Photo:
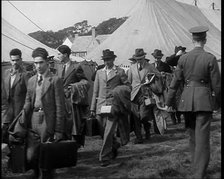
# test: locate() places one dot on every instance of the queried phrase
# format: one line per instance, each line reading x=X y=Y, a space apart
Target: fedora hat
x=139 y=53
x=157 y=53
x=108 y=54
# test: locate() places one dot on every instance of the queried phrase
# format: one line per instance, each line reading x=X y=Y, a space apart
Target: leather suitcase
x=92 y=127
x=17 y=161
x=58 y=154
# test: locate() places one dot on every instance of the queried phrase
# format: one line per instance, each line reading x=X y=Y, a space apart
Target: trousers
x=198 y=124
x=108 y=127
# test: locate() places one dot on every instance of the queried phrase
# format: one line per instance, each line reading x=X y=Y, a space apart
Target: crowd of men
x=55 y=105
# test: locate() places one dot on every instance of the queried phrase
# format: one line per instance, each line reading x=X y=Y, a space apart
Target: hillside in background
x=54 y=39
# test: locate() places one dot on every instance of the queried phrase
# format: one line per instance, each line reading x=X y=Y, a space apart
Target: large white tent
x=206 y=7
x=14 y=38
x=158 y=24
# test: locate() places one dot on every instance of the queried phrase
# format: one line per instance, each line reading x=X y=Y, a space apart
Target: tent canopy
x=14 y=38
x=158 y=24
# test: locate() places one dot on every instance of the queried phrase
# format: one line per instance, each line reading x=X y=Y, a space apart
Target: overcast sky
x=56 y=15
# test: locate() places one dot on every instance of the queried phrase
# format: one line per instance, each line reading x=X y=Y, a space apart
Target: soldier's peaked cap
x=199 y=32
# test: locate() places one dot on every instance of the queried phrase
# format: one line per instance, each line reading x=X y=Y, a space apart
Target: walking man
x=14 y=85
x=44 y=107
x=72 y=73
x=106 y=80
x=199 y=72
x=136 y=76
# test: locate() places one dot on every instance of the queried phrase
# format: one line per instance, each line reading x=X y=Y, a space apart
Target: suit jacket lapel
x=7 y=84
x=69 y=70
x=46 y=83
x=103 y=75
x=33 y=87
x=18 y=77
x=112 y=74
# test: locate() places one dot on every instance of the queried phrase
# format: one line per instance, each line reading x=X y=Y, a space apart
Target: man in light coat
x=199 y=72
x=137 y=76
x=106 y=80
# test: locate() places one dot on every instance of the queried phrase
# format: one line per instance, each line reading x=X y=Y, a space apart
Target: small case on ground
x=58 y=154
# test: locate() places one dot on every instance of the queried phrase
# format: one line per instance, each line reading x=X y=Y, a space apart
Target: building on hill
x=82 y=45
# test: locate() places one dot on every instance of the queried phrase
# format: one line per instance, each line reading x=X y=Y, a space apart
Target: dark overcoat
x=199 y=72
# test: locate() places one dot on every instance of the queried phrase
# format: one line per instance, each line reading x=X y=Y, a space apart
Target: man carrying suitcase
x=44 y=108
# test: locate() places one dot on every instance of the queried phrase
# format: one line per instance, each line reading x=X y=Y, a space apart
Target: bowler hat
x=139 y=53
x=157 y=53
x=108 y=54
x=199 y=32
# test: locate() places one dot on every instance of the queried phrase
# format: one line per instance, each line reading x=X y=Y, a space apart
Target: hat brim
x=108 y=57
x=157 y=55
x=137 y=58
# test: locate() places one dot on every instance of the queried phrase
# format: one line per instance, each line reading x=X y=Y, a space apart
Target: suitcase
x=92 y=127
x=58 y=154
x=17 y=161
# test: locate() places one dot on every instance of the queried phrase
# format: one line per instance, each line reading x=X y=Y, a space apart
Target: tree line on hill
x=55 y=39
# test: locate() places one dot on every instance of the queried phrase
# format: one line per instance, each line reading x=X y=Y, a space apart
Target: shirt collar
x=44 y=74
x=113 y=68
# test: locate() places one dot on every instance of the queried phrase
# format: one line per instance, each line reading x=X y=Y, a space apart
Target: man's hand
x=58 y=136
x=180 y=52
x=92 y=113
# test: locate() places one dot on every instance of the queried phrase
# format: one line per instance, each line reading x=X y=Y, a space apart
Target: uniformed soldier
x=199 y=71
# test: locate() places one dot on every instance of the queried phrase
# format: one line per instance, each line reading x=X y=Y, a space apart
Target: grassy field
x=164 y=156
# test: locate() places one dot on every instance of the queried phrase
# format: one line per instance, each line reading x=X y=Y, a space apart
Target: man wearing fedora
x=106 y=80
x=199 y=72
x=159 y=64
x=136 y=76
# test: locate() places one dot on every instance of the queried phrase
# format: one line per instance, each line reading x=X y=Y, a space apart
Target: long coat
x=137 y=78
x=103 y=86
x=74 y=113
x=52 y=98
x=199 y=71
x=15 y=95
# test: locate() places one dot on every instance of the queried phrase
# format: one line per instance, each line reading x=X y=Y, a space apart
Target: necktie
x=40 y=80
x=63 y=71
x=140 y=67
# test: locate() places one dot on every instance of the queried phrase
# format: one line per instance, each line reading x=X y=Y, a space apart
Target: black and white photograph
x=111 y=89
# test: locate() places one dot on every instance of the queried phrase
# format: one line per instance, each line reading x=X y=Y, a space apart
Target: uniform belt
x=37 y=109
x=200 y=83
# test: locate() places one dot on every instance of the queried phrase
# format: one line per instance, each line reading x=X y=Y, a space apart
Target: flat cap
x=199 y=32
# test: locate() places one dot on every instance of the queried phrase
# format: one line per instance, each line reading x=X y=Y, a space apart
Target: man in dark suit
x=107 y=79
x=72 y=73
x=15 y=87
x=44 y=106
x=159 y=64
x=200 y=73
x=136 y=76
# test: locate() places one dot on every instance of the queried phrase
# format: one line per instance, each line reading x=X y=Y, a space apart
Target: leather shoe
x=105 y=163
x=138 y=141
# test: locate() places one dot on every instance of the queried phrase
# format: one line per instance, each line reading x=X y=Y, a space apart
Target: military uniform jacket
x=200 y=73
x=103 y=86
